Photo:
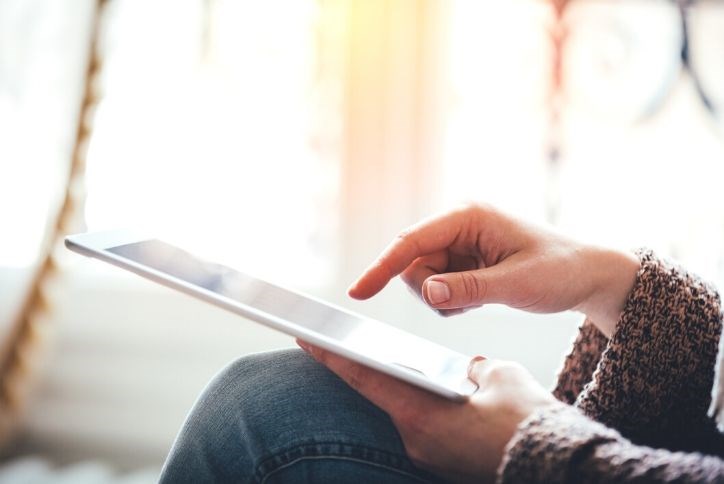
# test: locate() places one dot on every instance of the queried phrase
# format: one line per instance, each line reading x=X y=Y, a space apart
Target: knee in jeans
x=250 y=386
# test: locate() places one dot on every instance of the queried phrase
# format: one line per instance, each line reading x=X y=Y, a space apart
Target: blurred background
x=293 y=139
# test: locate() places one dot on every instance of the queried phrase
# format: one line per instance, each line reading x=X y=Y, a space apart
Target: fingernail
x=437 y=292
x=475 y=360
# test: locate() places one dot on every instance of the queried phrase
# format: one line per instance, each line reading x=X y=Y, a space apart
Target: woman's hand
x=462 y=442
x=478 y=255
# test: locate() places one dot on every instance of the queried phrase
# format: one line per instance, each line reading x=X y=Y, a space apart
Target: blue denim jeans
x=282 y=417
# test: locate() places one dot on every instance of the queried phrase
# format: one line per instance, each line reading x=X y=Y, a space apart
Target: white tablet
x=372 y=343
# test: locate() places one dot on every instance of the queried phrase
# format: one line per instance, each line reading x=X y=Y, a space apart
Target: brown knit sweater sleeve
x=580 y=363
x=639 y=399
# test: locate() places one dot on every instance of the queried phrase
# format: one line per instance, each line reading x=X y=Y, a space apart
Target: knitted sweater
x=633 y=408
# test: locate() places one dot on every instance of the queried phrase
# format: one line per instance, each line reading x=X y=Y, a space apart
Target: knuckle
x=408 y=277
x=496 y=374
x=413 y=421
x=403 y=234
x=406 y=239
x=403 y=238
x=501 y=371
x=464 y=211
x=407 y=419
x=475 y=207
x=415 y=452
x=475 y=288
x=415 y=446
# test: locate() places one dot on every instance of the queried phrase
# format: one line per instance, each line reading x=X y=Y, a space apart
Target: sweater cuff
x=580 y=363
x=548 y=445
x=658 y=369
x=666 y=293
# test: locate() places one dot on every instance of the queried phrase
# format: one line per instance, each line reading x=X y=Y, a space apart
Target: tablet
x=372 y=343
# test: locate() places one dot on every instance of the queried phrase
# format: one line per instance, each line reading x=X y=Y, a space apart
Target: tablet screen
x=240 y=287
x=382 y=341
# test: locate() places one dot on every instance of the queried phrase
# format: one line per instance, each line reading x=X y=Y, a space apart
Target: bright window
x=216 y=129
x=641 y=159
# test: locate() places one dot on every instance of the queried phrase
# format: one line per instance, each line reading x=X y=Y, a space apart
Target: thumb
x=477 y=368
x=459 y=290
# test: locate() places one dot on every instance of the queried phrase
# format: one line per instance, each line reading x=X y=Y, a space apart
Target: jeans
x=282 y=417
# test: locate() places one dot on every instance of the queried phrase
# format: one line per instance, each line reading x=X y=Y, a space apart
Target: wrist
x=613 y=275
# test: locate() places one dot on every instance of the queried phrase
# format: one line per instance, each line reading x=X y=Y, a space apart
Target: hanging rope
x=26 y=331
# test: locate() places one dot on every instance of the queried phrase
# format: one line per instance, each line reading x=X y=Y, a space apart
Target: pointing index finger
x=419 y=240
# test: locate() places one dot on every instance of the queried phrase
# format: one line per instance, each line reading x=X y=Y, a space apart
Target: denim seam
x=263 y=475
x=341 y=458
